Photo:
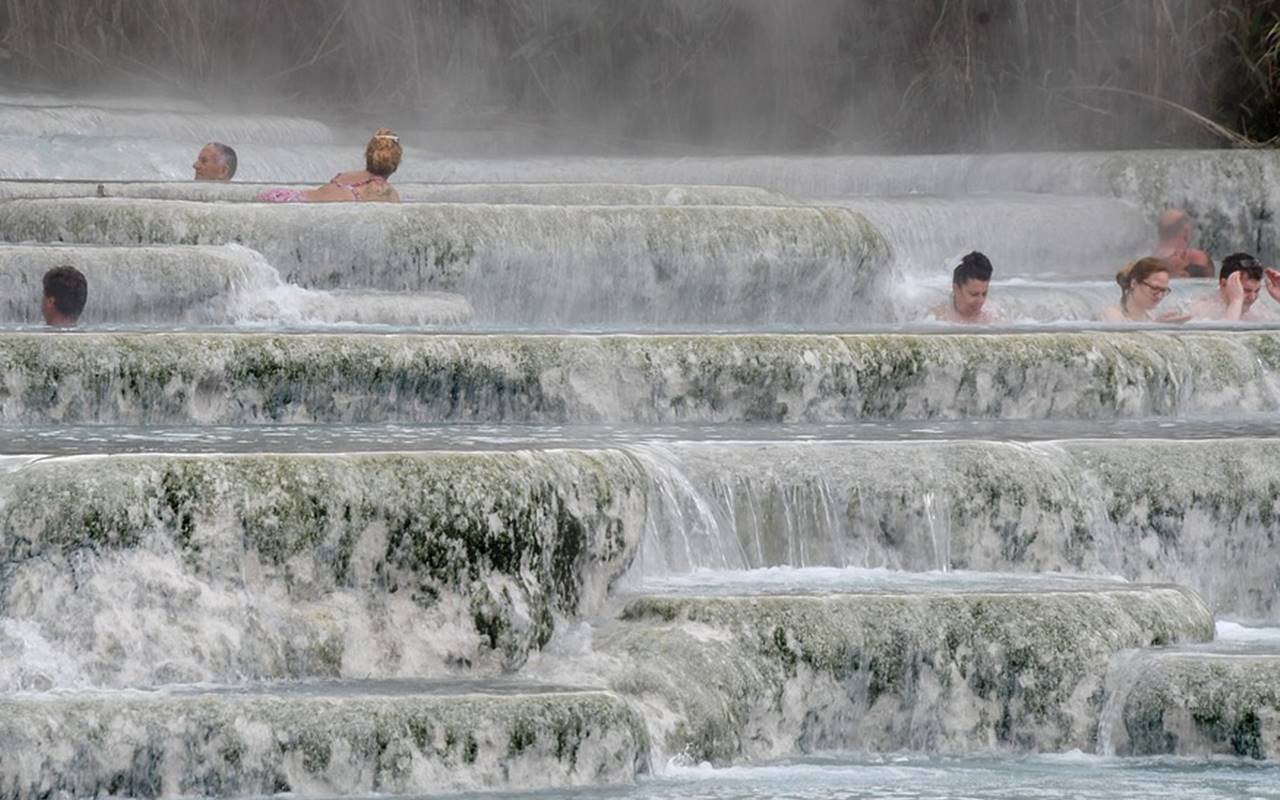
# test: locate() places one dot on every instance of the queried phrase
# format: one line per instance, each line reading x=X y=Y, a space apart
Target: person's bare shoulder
x=1112 y=314
x=380 y=192
x=940 y=312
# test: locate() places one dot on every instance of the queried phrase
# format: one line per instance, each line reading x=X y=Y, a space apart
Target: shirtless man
x=970 y=283
x=1239 y=284
x=1175 y=228
x=215 y=162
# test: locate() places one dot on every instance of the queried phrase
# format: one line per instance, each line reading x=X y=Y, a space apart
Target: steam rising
x=850 y=75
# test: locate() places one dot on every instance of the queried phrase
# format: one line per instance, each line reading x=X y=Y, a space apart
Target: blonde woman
x=381 y=159
x=1143 y=285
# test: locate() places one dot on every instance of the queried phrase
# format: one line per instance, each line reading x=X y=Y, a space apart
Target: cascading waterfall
x=628 y=265
x=1075 y=237
x=201 y=285
x=590 y=479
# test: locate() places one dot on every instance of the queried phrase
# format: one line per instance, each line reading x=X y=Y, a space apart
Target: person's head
x=216 y=162
x=65 y=293
x=382 y=154
x=1250 y=275
x=1175 y=228
x=1143 y=284
x=970 y=282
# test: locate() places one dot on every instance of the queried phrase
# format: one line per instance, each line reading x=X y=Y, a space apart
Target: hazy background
x=618 y=75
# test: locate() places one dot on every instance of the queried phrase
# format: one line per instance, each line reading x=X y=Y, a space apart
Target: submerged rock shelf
x=142 y=571
x=1199 y=704
x=248 y=378
x=522 y=263
x=237 y=744
x=938 y=672
x=560 y=194
x=1138 y=509
x=1202 y=513
x=202 y=285
x=1153 y=179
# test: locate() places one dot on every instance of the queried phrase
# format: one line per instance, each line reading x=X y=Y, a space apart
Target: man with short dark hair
x=1239 y=285
x=970 y=284
x=215 y=162
x=65 y=293
x=1176 y=229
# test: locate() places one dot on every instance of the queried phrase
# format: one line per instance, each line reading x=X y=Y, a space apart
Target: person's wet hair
x=382 y=154
x=228 y=158
x=1240 y=262
x=973 y=267
x=1139 y=271
x=69 y=290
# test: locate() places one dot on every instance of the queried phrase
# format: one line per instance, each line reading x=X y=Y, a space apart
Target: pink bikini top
x=295 y=196
x=280 y=196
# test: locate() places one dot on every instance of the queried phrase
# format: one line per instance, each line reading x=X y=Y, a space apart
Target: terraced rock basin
x=355 y=738
x=251 y=378
x=182 y=285
x=561 y=194
x=924 y=666
x=1214 y=700
x=520 y=264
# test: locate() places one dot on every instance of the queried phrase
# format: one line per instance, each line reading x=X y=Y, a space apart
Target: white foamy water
x=255 y=605
x=859 y=580
x=1037 y=235
x=1235 y=633
x=1066 y=777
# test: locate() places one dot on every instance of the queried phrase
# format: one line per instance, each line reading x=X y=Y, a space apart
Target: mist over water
x=575 y=75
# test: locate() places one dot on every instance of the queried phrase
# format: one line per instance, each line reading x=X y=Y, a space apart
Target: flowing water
x=617 y=477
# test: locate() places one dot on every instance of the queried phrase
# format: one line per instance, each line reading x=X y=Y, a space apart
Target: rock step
x=559 y=194
x=1203 y=702
x=353 y=739
x=191 y=126
x=137 y=571
x=524 y=264
x=202 y=285
x=970 y=671
x=1200 y=512
x=250 y=378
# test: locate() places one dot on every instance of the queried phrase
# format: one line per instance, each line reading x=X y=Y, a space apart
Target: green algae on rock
x=302 y=566
x=1019 y=671
x=1203 y=513
x=1201 y=703
x=365 y=740
x=685 y=264
x=248 y=378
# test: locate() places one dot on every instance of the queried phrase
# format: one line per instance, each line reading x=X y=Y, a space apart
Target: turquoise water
x=86 y=439
x=1071 y=776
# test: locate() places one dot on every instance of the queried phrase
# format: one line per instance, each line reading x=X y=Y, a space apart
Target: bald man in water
x=215 y=162
x=1175 y=228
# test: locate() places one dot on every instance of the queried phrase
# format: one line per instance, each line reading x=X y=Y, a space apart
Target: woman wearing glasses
x=1143 y=284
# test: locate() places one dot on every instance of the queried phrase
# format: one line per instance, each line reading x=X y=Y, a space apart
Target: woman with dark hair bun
x=381 y=159
x=1143 y=284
